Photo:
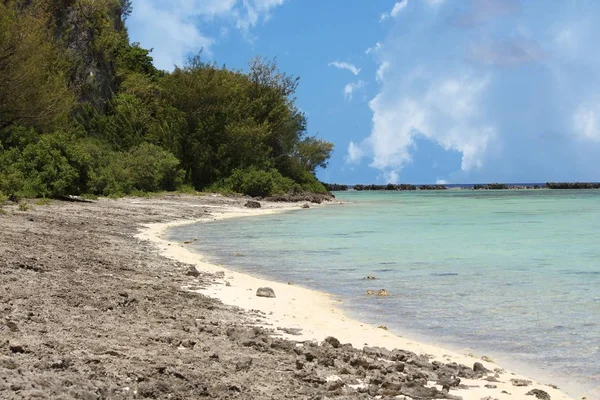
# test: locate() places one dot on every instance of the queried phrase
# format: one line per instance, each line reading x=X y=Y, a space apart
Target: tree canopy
x=83 y=110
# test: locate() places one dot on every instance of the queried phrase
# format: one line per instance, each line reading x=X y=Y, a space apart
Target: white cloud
x=399 y=6
x=352 y=87
x=172 y=28
x=374 y=48
x=381 y=70
x=585 y=122
x=446 y=113
x=355 y=153
x=391 y=176
x=347 y=66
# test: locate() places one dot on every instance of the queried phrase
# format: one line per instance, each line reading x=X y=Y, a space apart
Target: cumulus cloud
x=173 y=28
x=344 y=65
x=355 y=153
x=462 y=91
x=374 y=48
x=586 y=122
x=352 y=87
x=507 y=53
x=398 y=6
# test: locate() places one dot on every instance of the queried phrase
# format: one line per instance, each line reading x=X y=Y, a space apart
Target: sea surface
x=514 y=275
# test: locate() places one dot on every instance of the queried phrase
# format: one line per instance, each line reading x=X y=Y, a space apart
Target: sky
x=414 y=91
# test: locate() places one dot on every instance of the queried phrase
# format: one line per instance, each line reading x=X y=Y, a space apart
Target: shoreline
x=314 y=315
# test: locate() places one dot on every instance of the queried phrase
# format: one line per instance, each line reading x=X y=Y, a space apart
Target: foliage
x=254 y=182
x=23 y=206
x=84 y=111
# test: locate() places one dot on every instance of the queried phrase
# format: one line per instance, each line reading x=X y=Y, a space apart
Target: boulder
x=192 y=271
x=478 y=367
x=332 y=341
x=383 y=293
x=540 y=394
x=252 y=204
x=265 y=292
x=305 y=205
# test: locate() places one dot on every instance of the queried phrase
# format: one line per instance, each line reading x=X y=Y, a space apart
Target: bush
x=153 y=169
x=53 y=166
x=254 y=182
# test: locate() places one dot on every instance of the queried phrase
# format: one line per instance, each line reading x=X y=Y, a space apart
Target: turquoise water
x=511 y=274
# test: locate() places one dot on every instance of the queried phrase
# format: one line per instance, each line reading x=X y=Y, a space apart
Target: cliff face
x=91 y=32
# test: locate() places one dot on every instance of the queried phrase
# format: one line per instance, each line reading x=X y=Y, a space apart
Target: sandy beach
x=98 y=305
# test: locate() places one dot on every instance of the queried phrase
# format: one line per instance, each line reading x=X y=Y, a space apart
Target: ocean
x=514 y=275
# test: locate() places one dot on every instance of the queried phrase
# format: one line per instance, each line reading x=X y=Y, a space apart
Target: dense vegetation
x=84 y=111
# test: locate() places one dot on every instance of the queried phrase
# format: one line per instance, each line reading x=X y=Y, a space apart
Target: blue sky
x=415 y=91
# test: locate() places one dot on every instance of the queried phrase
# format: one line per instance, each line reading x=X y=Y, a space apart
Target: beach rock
x=520 y=382
x=265 y=292
x=193 y=271
x=305 y=205
x=16 y=348
x=478 y=367
x=370 y=292
x=332 y=341
x=488 y=386
x=370 y=278
x=243 y=363
x=540 y=394
x=252 y=204
x=383 y=293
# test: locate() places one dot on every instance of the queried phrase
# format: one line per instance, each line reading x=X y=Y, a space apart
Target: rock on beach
x=265 y=292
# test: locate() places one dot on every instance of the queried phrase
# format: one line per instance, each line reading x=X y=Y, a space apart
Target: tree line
x=84 y=111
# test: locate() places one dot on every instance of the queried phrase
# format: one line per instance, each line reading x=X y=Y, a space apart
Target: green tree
x=33 y=85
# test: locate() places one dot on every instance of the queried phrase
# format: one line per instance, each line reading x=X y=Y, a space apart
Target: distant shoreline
x=334 y=187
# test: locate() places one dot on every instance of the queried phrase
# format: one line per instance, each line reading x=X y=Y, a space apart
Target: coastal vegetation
x=84 y=111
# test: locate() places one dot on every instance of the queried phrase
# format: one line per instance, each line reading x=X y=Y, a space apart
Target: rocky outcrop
x=316 y=198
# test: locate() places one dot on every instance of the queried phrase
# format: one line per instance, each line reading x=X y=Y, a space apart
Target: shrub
x=153 y=168
x=254 y=182
x=53 y=166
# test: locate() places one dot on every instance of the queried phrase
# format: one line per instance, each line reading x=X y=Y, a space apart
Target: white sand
x=317 y=314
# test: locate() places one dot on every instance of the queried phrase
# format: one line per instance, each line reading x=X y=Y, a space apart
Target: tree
x=313 y=153
x=33 y=86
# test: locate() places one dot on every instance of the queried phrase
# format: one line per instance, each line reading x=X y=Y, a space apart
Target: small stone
x=385 y=328
x=227 y=283
x=265 y=292
x=16 y=348
x=193 y=271
x=370 y=278
x=540 y=394
x=491 y=386
x=243 y=363
x=487 y=359
x=383 y=293
x=370 y=292
x=252 y=204
x=478 y=367
x=332 y=341
x=305 y=205
x=520 y=382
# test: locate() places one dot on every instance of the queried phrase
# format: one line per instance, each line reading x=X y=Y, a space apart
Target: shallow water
x=511 y=274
